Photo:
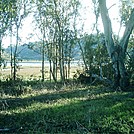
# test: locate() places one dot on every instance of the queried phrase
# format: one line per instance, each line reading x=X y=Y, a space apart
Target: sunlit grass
x=33 y=72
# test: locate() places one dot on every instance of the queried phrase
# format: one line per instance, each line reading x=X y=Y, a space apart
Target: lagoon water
x=39 y=63
x=27 y=63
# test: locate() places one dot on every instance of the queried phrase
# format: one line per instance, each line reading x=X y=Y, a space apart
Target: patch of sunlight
x=117 y=105
x=5 y=96
x=65 y=101
x=40 y=106
x=35 y=93
x=98 y=96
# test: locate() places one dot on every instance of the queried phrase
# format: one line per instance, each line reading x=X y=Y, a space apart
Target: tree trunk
x=117 y=52
x=0 y=53
x=121 y=78
x=43 y=62
x=43 y=56
x=15 y=54
x=83 y=57
x=11 y=54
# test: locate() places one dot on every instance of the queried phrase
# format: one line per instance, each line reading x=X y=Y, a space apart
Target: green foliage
x=130 y=58
x=130 y=65
x=125 y=10
x=7 y=11
x=14 y=88
x=96 y=55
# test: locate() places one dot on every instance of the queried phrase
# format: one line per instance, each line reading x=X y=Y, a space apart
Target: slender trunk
x=43 y=57
x=11 y=55
x=54 y=61
x=11 y=49
x=69 y=69
x=15 y=55
x=50 y=62
x=63 y=57
x=54 y=69
x=43 y=76
x=61 y=60
x=83 y=57
x=100 y=68
x=51 y=72
x=50 y=69
x=66 y=69
x=56 y=73
x=0 y=53
x=69 y=61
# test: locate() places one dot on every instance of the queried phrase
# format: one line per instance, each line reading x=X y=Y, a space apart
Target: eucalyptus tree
x=67 y=14
x=45 y=24
x=5 y=16
x=57 y=27
x=20 y=14
x=40 y=18
x=64 y=11
x=117 y=50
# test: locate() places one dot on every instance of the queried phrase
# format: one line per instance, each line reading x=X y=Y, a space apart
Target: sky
x=113 y=13
x=88 y=20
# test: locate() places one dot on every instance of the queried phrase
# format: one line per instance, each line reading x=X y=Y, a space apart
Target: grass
x=73 y=108
x=33 y=72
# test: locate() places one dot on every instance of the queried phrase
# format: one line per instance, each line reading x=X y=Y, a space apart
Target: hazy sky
x=113 y=13
x=87 y=14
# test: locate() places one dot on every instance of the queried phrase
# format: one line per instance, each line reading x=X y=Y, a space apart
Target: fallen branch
x=102 y=79
x=6 y=130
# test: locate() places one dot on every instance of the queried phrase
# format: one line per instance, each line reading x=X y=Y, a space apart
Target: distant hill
x=26 y=52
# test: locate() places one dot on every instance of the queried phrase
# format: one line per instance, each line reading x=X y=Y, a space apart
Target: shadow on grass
x=100 y=112
x=43 y=98
x=13 y=103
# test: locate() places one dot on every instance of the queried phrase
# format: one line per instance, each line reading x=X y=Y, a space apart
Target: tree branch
x=111 y=6
x=127 y=32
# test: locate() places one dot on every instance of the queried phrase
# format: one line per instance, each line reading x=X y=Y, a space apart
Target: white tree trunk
x=117 y=52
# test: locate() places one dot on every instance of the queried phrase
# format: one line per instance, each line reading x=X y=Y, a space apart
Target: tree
x=117 y=51
x=59 y=35
x=5 y=17
x=20 y=14
x=42 y=21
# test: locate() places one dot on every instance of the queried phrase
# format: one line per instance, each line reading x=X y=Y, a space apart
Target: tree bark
x=117 y=52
